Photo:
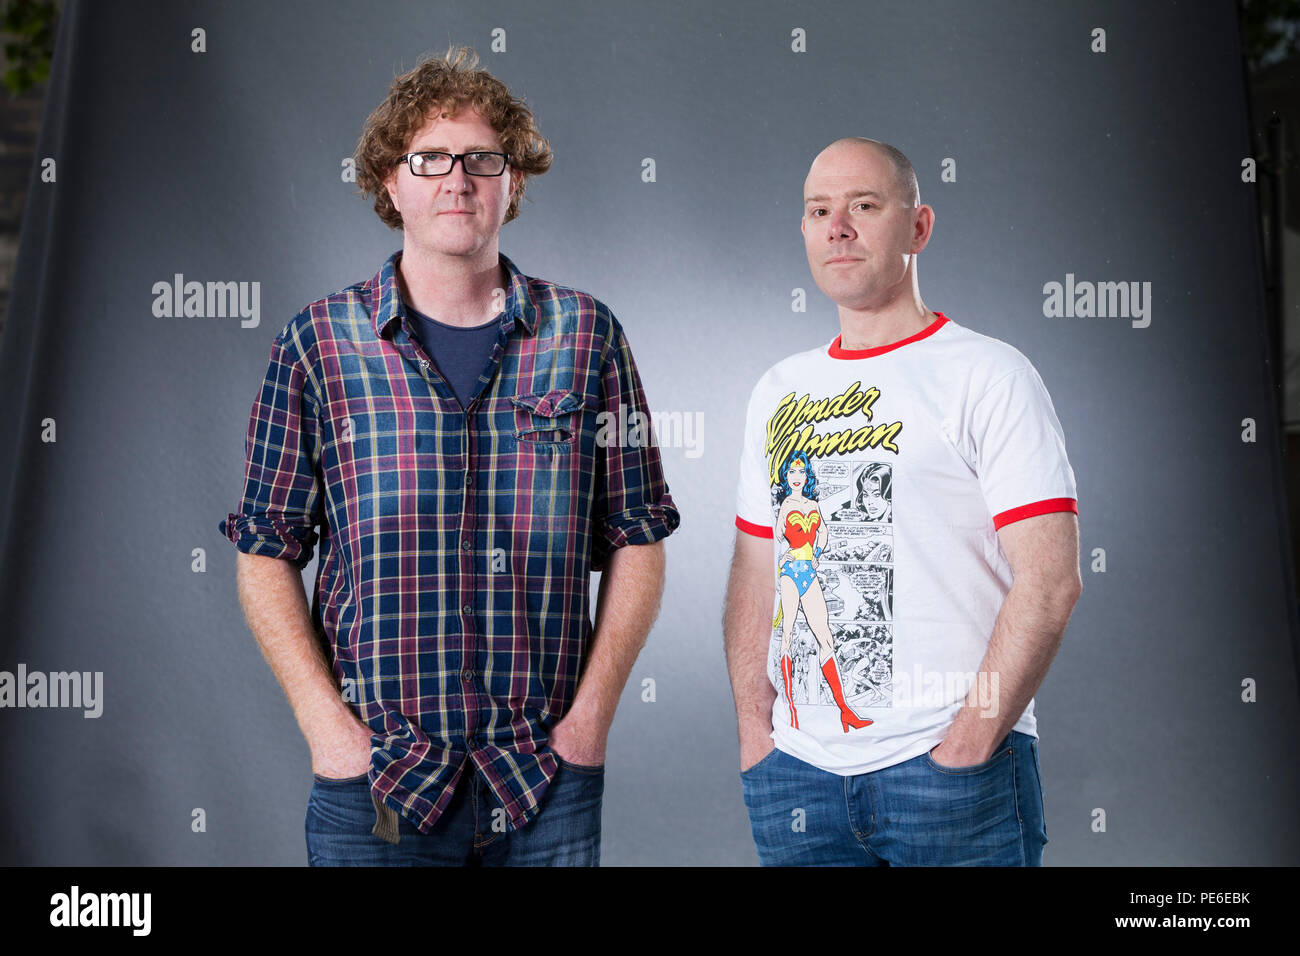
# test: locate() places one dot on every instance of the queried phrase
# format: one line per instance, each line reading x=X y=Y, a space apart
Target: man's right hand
x=344 y=754
x=747 y=631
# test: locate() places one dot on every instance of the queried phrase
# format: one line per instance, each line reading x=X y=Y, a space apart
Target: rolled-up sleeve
x=633 y=505
x=281 y=507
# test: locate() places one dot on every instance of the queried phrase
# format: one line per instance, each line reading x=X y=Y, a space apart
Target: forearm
x=275 y=606
x=747 y=629
x=1026 y=637
x=631 y=588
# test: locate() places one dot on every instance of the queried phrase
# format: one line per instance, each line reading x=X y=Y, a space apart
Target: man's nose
x=457 y=177
x=838 y=227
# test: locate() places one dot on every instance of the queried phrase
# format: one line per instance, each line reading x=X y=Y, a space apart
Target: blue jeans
x=915 y=813
x=565 y=832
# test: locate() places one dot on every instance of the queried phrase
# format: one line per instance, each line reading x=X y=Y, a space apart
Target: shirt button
x=465 y=545
x=469 y=479
x=468 y=609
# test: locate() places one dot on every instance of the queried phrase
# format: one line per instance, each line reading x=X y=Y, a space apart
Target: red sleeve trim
x=1044 y=507
x=757 y=530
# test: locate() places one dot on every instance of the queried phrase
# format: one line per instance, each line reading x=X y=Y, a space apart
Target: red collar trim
x=836 y=352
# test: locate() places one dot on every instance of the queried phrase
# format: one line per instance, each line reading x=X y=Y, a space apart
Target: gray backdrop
x=225 y=166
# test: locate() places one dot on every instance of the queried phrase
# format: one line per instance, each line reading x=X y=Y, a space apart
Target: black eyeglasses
x=431 y=163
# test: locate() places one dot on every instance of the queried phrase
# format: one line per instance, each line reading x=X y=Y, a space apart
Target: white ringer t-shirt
x=916 y=453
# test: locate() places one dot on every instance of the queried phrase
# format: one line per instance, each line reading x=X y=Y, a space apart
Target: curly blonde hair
x=447 y=83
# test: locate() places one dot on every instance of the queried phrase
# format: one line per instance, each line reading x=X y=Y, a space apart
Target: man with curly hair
x=444 y=424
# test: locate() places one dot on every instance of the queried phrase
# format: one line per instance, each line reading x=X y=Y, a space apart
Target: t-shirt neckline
x=495 y=320
x=840 y=353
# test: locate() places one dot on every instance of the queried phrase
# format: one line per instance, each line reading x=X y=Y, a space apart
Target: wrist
x=755 y=728
x=965 y=745
x=335 y=723
x=591 y=712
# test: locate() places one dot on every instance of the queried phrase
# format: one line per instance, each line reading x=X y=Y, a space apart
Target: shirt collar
x=388 y=307
x=839 y=352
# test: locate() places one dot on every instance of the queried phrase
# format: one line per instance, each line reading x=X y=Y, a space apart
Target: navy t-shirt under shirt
x=459 y=353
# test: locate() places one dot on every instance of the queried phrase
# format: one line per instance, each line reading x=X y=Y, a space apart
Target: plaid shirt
x=456 y=544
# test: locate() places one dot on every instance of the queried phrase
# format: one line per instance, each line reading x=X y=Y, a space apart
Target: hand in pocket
x=345 y=756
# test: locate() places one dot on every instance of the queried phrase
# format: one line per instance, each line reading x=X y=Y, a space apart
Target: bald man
x=906 y=559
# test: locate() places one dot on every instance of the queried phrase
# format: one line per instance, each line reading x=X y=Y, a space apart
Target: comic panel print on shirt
x=832 y=494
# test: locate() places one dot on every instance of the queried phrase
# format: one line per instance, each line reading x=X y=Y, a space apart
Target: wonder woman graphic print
x=881 y=477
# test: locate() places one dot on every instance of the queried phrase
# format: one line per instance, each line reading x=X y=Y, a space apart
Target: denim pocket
x=767 y=758
x=340 y=781
x=1002 y=751
x=589 y=769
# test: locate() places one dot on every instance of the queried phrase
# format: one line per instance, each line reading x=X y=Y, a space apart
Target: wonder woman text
x=791 y=427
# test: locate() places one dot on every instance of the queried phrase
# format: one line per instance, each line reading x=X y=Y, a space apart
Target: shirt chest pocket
x=553 y=418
